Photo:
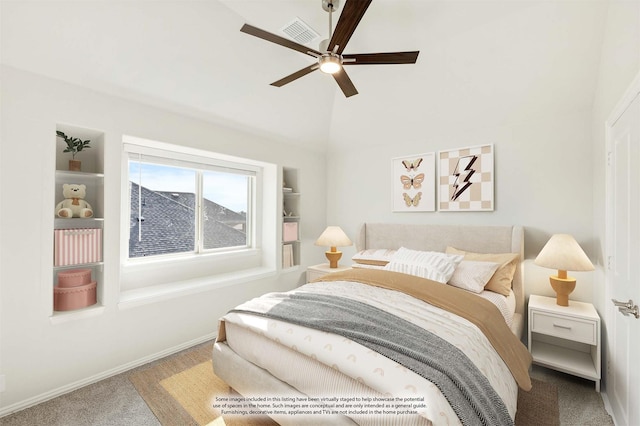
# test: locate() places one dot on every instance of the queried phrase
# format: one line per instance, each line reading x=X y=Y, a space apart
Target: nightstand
x=565 y=338
x=316 y=271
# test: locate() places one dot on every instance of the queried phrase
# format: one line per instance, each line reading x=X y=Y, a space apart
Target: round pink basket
x=74 y=277
x=70 y=298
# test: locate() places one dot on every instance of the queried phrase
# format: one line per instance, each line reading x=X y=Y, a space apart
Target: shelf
x=79 y=266
x=556 y=357
x=59 y=317
x=73 y=175
x=78 y=223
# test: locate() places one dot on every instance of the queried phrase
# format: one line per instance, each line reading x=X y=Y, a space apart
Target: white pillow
x=432 y=265
x=473 y=275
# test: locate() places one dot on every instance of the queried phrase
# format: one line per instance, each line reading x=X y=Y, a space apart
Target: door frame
x=630 y=94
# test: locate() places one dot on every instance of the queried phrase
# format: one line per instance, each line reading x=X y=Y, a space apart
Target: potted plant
x=74 y=146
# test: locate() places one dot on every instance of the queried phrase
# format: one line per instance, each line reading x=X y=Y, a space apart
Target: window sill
x=152 y=294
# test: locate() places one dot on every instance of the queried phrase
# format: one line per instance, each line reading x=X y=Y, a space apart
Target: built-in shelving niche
x=92 y=176
x=290 y=217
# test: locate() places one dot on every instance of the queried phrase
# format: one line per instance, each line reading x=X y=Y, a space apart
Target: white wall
x=468 y=89
x=40 y=359
x=543 y=181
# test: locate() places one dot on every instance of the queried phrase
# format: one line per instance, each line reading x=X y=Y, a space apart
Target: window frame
x=199 y=170
x=155 y=276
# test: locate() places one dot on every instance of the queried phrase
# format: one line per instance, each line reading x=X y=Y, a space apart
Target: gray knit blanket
x=467 y=390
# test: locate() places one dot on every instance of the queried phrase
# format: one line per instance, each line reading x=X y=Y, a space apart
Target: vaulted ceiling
x=189 y=56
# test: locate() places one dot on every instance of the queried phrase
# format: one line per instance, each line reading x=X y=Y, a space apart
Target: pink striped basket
x=77 y=246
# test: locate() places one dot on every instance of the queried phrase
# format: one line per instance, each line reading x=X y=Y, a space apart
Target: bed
x=316 y=342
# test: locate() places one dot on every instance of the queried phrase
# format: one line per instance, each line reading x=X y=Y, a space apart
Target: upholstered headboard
x=480 y=239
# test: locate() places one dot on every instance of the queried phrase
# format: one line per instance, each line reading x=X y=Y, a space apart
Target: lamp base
x=333 y=257
x=563 y=287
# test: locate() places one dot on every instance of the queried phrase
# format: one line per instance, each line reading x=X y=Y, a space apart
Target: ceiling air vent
x=299 y=31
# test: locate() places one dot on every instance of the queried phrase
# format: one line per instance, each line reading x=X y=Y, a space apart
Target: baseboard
x=39 y=399
x=607 y=406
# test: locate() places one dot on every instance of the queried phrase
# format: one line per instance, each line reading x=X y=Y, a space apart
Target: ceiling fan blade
x=296 y=75
x=273 y=38
x=382 y=58
x=352 y=13
x=345 y=83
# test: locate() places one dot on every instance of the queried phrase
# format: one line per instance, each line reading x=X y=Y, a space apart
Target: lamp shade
x=562 y=252
x=333 y=236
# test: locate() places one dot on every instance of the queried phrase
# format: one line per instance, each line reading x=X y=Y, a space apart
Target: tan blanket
x=478 y=311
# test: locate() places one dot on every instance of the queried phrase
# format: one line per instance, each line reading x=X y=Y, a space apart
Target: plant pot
x=74 y=165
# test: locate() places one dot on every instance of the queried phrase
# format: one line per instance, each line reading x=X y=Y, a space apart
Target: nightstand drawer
x=564 y=327
x=314 y=275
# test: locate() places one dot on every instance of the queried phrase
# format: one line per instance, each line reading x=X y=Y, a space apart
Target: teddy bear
x=74 y=204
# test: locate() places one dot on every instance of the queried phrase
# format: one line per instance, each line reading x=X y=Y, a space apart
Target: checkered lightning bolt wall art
x=465 y=180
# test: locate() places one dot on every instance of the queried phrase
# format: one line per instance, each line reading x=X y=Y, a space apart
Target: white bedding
x=506 y=304
x=285 y=350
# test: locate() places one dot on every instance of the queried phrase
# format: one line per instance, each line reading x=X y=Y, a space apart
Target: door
x=623 y=272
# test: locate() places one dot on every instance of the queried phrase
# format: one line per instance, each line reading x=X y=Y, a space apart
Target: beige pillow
x=501 y=280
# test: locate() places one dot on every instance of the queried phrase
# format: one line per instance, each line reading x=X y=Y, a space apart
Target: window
x=194 y=220
x=188 y=205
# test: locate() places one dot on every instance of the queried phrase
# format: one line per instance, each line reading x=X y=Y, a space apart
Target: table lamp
x=563 y=253
x=333 y=237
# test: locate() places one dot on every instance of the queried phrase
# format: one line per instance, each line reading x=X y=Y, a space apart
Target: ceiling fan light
x=330 y=64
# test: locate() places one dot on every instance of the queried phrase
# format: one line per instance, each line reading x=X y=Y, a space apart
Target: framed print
x=465 y=179
x=413 y=183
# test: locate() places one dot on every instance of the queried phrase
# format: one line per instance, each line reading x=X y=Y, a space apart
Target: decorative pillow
x=378 y=257
x=426 y=264
x=473 y=275
x=501 y=280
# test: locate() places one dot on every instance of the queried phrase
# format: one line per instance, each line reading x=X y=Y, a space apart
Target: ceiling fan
x=330 y=58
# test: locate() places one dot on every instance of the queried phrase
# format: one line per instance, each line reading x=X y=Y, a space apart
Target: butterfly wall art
x=413 y=183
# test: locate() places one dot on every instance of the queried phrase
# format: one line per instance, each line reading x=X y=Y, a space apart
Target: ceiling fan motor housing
x=324 y=45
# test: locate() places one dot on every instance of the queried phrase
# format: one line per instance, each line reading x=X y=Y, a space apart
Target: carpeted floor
x=578 y=402
x=119 y=399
